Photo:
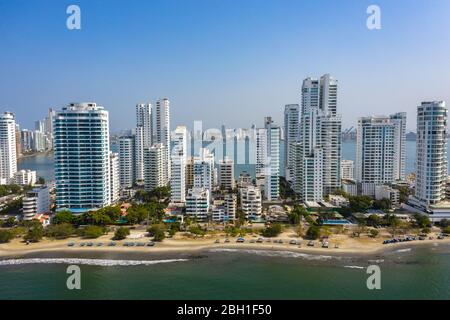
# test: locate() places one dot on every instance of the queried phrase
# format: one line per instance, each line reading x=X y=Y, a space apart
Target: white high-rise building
x=178 y=163
x=431 y=152
x=8 y=155
x=203 y=170
x=127 y=162
x=115 y=177
x=82 y=170
x=291 y=136
x=143 y=137
x=230 y=203
x=155 y=172
x=197 y=203
x=226 y=174
x=318 y=156
x=163 y=127
x=261 y=151
x=347 y=170
x=272 y=175
x=380 y=151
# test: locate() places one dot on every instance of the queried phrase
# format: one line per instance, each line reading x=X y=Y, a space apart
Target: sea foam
x=91 y=262
x=279 y=253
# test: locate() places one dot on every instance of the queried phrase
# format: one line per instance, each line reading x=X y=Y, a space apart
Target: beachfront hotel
x=380 y=151
x=8 y=156
x=82 y=164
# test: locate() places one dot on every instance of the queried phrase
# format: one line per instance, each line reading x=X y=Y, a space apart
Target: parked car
x=240 y=239
x=70 y=244
x=311 y=244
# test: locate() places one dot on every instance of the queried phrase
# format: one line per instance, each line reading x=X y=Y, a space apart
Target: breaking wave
x=91 y=262
x=283 y=254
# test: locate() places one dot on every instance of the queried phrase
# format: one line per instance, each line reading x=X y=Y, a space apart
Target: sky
x=229 y=62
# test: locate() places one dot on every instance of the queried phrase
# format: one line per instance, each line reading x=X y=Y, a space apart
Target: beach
x=338 y=244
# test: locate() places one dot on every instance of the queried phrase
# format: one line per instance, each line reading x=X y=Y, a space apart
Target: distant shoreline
x=25 y=156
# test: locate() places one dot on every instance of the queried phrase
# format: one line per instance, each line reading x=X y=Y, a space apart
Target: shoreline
x=58 y=248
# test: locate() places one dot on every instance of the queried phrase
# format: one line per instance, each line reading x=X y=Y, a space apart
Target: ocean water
x=410 y=273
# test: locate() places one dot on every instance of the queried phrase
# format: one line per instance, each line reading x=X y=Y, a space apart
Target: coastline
x=59 y=248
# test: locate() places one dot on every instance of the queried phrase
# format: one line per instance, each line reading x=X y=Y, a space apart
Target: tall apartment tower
x=272 y=176
x=203 y=170
x=431 y=152
x=226 y=174
x=8 y=154
x=82 y=165
x=143 y=136
x=155 y=173
x=178 y=166
x=127 y=162
x=163 y=127
x=114 y=177
x=318 y=156
x=380 y=151
x=291 y=136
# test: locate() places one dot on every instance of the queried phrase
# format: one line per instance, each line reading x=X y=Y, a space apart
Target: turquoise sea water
x=417 y=273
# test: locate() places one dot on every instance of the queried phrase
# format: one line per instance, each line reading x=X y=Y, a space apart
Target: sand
x=183 y=244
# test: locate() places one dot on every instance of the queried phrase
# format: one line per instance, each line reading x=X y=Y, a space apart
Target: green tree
x=6 y=236
x=383 y=204
x=272 y=231
x=63 y=216
x=374 y=233
x=93 y=232
x=374 y=220
x=34 y=233
x=422 y=221
x=121 y=233
x=60 y=231
x=157 y=231
x=444 y=223
x=10 y=222
x=360 y=203
x=313 y=232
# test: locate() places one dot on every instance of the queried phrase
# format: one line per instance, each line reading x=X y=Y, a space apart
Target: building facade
x=8 y=154
x=82 y=170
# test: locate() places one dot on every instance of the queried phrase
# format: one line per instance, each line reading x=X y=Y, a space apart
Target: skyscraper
x=203 y=170
x=272 y=175
x=82 y=165
x=8 y=155
x=291 y=136
x=163 y=127
x=155 y=172
x=380 y=151
x=431 y=153
x=318 y=156
x=178 y=163
x=114 y=177
x=226 y=174
x=143 y=137
x=127 y=162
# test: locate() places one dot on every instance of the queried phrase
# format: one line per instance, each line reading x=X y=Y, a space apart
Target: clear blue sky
x=221 y=61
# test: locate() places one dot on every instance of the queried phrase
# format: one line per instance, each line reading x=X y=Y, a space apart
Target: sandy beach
x=338 y=244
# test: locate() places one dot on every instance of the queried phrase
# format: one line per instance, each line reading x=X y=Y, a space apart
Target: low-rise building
x=350 y=187
x=197 y=203
x=25 y=177
x=36 y=201
x=338 y=200
x=387 y=192
x=251 y=202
